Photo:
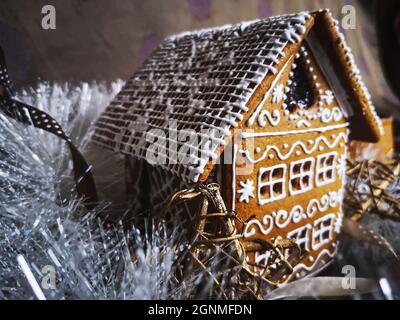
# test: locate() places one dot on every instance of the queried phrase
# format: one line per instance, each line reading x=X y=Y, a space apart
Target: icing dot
x=271 y=156
x=320 y=148
x=258 y=149
x=298 y=153
x=311 y=258
x=285 y=146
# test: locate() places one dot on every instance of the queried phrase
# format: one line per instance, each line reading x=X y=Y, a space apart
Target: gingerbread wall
x=290 y=168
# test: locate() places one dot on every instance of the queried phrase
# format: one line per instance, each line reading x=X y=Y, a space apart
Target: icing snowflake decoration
x=328 y=97
x=279 y=94
x=341 y=166
x=246 y=191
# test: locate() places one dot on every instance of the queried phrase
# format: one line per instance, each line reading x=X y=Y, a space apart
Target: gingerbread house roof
x=209 y=81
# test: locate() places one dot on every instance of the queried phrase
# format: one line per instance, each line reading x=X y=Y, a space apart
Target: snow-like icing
x=202 y=82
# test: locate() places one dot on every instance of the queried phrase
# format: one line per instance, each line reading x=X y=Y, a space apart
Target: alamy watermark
x=49 y=17
x=349 y=17
x=349 y=279
x=177 y=145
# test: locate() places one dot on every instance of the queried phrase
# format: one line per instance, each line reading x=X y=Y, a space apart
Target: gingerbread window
x=322 y=231
x=271 y=183
x=301 y=176
x=326 y=169
x=301 y=236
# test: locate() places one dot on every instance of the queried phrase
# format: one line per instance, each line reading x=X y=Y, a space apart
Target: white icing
x=325 y=172
x=278 y=93
x=247 y=135
x=283 y=218
x=303 y=123
x=301 y=236
x=246 y=190
x=323 y=230
x=306 y=171
x=307 y=150
x=235 y=151
x=334 y=114
x=253 y=117
x=328 y=97
x=264 y=227
x=273 y=118
x=276 y=178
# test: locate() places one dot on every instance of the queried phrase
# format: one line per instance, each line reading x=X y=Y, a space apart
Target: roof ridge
x=242 y=24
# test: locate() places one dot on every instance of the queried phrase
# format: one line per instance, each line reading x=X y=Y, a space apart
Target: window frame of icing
x=271 y=183
x=300 y=175
x=324 y=169
x=319 y=229
x=297 y=235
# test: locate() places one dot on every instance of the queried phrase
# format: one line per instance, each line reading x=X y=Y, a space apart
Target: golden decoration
x=215 y=234
x=368 y=189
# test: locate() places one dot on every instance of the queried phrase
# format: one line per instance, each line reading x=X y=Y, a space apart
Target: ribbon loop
x=29 y=115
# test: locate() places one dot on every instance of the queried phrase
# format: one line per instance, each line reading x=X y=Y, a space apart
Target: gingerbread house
x=265 y=108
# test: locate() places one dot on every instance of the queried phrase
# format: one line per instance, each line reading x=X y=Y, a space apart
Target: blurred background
x=105 y=40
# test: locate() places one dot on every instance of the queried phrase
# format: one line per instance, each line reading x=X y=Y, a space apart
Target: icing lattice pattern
x=200 y=81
